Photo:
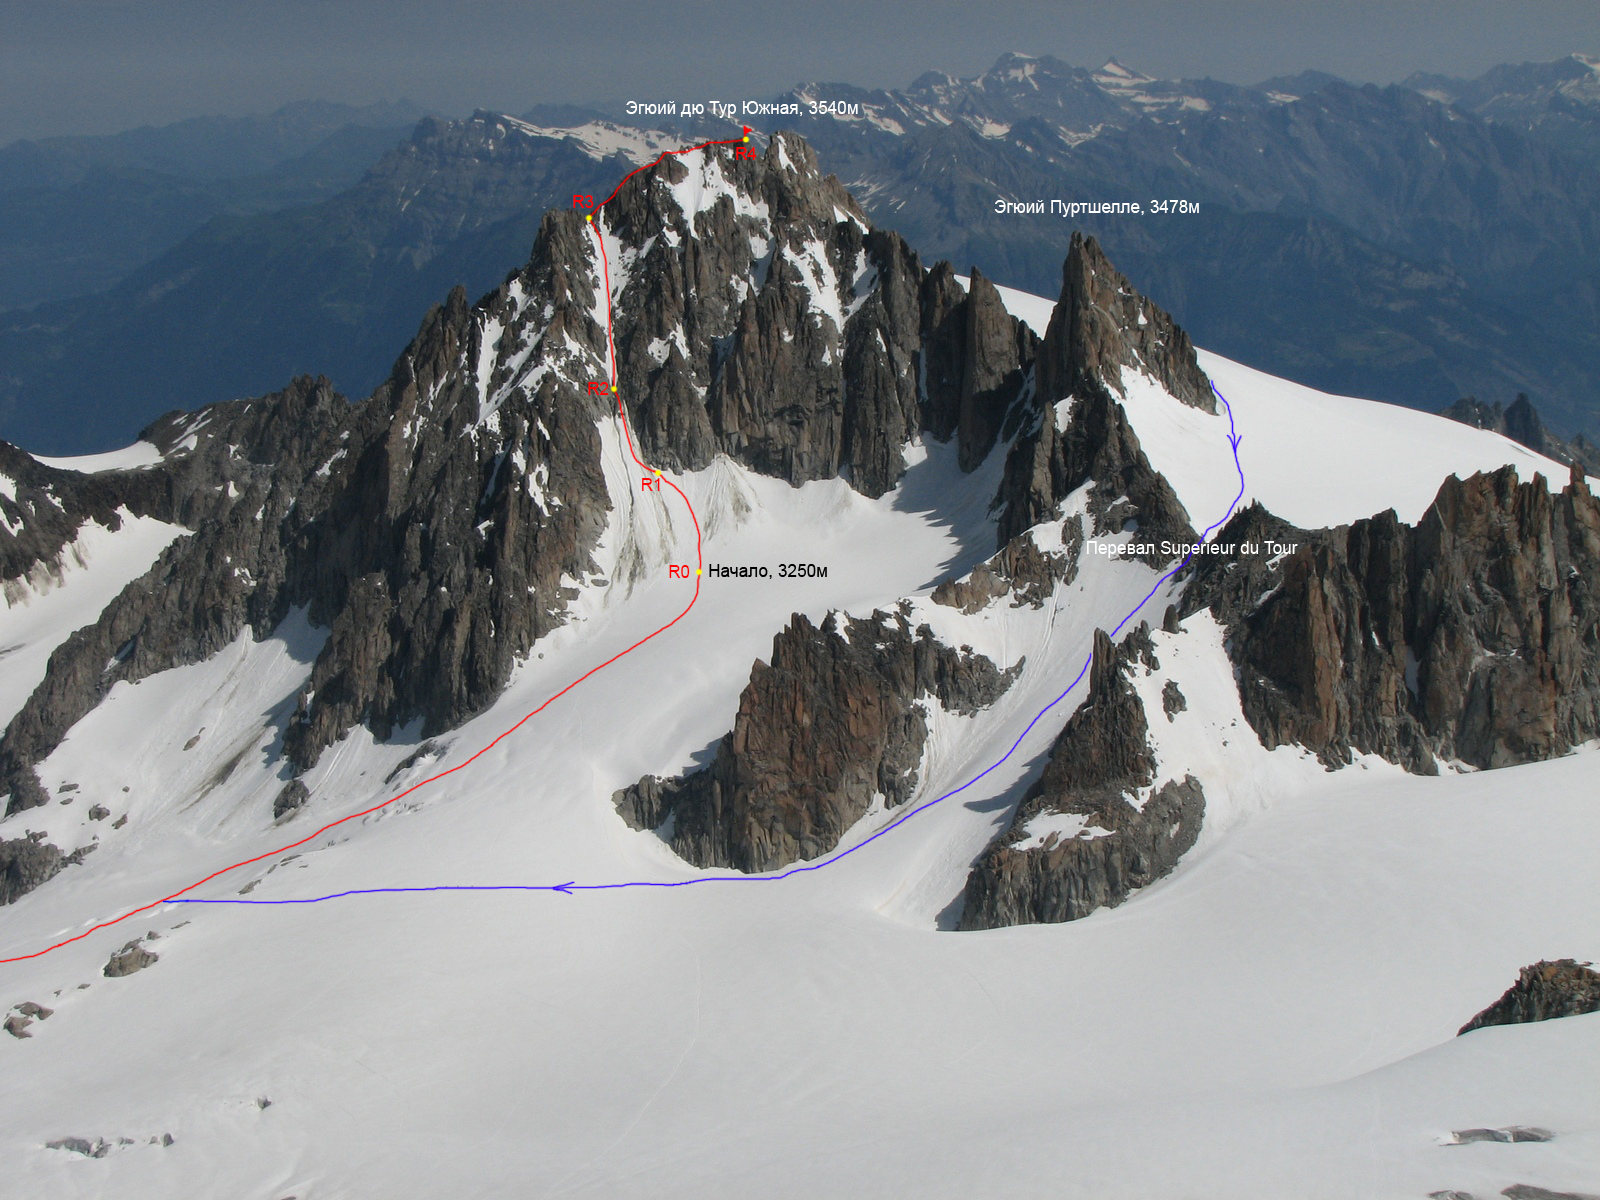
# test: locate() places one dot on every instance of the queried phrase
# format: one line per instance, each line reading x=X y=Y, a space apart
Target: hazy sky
x=77 y=66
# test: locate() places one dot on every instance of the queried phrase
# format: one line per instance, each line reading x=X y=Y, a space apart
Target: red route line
x=699 y=550
x=739 y=141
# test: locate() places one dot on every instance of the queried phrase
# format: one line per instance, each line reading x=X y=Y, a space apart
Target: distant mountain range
x=78 y=213
x=1362 y=239
x=1414 y=243
x=1559 y=100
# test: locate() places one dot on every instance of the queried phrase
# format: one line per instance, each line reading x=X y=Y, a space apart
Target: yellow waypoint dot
x=697 y=571
x=747 y=137
x=658 y=474
x=613 y=387
x=590 y=217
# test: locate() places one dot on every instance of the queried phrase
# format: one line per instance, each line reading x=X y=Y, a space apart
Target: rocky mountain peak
x=1093 y=827
x=1102 y=325
x=750 y=288
x=1469 y=637
x=1100 y=328
x=437 y=529
x=1520 y=421
x=1112 y=69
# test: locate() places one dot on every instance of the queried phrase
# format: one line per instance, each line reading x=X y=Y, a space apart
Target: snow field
x=140 y=454
x=1275 y=1018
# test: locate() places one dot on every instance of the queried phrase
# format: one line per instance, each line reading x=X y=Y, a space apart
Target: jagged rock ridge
x=1520 y=421
x=832 y=723
x=436 y=529
x=989 y=383
x=1474 y=636
x=1100 y=326
x=43 y=508
x=1129 y=833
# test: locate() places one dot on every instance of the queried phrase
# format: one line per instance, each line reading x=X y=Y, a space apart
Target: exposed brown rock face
x=1542 y=992
x=1507 y=618
x=1474 y=636
x=829 y=724
x=1100 y=761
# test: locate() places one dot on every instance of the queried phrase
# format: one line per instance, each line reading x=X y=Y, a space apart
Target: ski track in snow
x=123 y=458
x=571 y=886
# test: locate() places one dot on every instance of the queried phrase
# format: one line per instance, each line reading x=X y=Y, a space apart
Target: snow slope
x=42 y=610
x=1312 y=458
x=602 y=139
x=1274 y=1019
x=140 y=454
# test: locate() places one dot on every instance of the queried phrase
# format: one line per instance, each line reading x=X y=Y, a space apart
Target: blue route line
x=570 y=887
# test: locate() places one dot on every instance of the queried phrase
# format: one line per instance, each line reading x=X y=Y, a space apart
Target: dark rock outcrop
x=1173 y=701
x=828 y=725
x=1520 y=421
x=1508 y=1134
x=1094 y=333
x=24 y=864
x=88 y=1147
x=975 y=363
x=291 y=799
x=132 y=957
x=1532 y=1191
x=1474 y=636
x=1563 y=987
x=1098 y=764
